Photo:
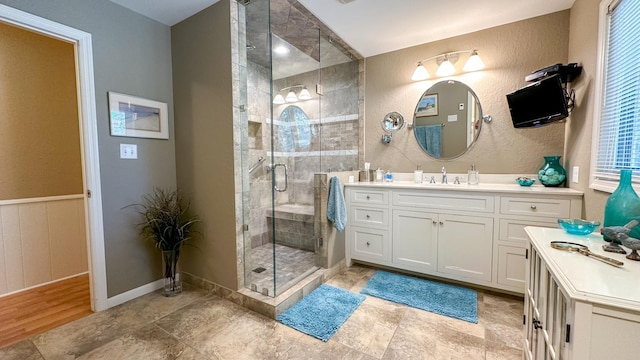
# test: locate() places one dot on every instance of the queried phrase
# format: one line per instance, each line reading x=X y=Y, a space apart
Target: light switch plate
x=575 y=175
x=128 y=151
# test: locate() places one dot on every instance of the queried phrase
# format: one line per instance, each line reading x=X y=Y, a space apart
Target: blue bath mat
x=444 y=299
x=322 y=312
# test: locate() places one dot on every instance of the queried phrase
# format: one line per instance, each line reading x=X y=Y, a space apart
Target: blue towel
x=430 y=139
x=336 y=209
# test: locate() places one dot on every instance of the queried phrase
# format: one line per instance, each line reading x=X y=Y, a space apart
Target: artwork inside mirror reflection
x=447 y=119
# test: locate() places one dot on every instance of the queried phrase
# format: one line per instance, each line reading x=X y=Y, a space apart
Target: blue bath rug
x=322 y=312
x=444 y=299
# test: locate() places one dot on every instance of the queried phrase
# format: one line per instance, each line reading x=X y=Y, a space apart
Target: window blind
x=619 y=133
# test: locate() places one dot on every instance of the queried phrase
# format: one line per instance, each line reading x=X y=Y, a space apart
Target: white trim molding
x=135 y=293
x=89 y=139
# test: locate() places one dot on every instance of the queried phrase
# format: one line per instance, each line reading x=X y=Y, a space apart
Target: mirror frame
x=481 y=118
x=394 y=118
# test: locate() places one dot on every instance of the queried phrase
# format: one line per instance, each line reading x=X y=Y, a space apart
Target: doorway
x=89 y=190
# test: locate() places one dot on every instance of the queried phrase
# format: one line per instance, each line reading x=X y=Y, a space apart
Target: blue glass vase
x=623 y=206
x=552 y=174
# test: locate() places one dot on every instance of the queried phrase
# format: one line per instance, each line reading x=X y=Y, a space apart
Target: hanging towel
x=336 y=208
x=430 y=139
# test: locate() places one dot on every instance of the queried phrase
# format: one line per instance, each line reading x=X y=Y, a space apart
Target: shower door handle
x=286 y=175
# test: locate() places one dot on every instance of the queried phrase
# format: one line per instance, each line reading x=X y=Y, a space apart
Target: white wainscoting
x=41 y=240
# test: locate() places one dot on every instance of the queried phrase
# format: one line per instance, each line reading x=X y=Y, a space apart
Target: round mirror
x=392 y=122
x=447 y=120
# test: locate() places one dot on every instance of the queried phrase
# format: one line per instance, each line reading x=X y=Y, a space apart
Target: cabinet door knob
x=533 y=207
x=441 y=223
x=435 y=222
x=368 y=216
x=368 y=243
x=368 y=197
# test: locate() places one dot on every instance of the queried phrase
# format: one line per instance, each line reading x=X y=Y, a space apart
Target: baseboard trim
x=134 y=293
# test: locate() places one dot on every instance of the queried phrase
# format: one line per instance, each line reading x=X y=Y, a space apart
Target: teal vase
x=552 y=174
x=623 y=206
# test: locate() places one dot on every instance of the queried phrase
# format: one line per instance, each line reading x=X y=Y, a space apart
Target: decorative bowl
x=525 y=181
x=578 y=226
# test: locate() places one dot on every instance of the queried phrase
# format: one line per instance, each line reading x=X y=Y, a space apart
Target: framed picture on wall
x=137 y=117
x=428 y=105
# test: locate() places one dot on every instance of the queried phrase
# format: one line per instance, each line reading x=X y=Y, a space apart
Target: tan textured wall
x=583 y=44
x=510 y=52
x=39 y=125
x=202 y=90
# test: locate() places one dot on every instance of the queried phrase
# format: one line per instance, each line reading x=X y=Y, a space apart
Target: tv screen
x=538 y=104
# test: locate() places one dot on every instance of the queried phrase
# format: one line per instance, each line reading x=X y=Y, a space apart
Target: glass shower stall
x=302 y=119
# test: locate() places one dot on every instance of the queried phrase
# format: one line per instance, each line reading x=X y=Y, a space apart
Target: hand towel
x=430 y=139
x=336 y=208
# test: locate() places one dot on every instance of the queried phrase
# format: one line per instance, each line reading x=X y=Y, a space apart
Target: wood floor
x=37 y=310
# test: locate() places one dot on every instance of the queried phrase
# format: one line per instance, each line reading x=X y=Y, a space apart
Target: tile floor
x=291 y=264
x=196 y=325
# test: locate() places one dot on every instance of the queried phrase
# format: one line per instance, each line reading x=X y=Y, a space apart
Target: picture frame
x=133 y=116
x=428 y=105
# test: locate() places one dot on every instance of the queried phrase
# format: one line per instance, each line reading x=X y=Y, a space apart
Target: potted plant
x=166 y=222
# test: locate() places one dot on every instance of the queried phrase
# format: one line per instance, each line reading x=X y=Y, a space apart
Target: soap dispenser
x=417 y=175
x=473 y=176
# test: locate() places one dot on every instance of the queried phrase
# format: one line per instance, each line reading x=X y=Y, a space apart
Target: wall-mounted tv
x=538 y=104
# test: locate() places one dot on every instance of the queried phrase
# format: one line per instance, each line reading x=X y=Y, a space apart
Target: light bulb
x=291 y=97
x=474 y=63
x=421 y=73
x=281 y=50
x=446 y=68
x=278 y=99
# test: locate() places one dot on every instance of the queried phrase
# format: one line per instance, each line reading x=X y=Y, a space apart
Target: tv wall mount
x=566 y=73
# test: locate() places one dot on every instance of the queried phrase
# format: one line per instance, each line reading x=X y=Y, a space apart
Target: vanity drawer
x=372 y=197
x=444 y=201
x=362 y=216
x=513 y=230
x=369 y=244
x=554 y=208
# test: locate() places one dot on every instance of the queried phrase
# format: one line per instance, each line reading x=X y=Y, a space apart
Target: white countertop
x=587 y=279
x=482 y=187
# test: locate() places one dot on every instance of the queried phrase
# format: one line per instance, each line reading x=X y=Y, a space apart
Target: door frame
x=88 y=138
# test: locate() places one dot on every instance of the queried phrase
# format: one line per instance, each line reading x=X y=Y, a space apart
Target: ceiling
x=374 y=27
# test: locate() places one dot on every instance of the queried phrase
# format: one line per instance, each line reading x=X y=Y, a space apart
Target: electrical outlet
x=575 y=175
x=128 y=151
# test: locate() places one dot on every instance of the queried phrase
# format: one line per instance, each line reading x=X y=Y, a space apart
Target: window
x=616 y=135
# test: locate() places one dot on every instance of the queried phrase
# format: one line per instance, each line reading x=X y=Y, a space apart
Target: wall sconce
x=291 y=95
x=445 y=62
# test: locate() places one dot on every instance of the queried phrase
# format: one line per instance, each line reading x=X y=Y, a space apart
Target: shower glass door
x=283 y=112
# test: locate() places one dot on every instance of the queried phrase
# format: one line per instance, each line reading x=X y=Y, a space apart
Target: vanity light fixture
x=445 y=62
x=278 y=99
x=291 y=95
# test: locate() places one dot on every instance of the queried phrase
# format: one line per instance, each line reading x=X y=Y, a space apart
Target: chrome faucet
x=444 y=175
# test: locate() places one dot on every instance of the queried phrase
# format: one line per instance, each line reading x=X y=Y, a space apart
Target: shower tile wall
x=337 y=138
x=259 y=109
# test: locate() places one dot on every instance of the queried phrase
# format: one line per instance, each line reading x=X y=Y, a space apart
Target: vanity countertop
x=588 y=279
x=482 y=187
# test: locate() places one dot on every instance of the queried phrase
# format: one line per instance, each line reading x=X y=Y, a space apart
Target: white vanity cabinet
x=471 y=234
x=577 y=307
x=368 y=224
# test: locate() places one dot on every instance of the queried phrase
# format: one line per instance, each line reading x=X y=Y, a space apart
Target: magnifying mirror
x=392 y=122
x=569 y=246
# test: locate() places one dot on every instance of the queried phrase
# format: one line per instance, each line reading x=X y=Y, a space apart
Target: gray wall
x=202 y=75
x=583 y=44
x=132 y=55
